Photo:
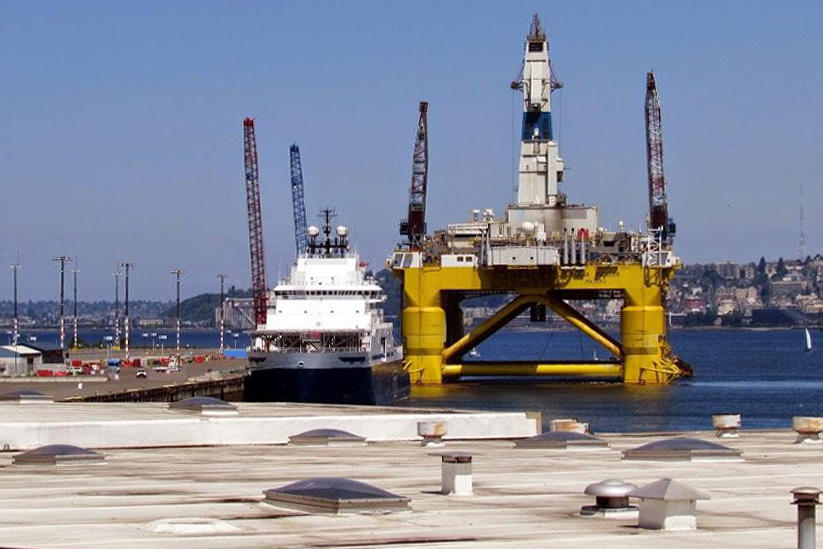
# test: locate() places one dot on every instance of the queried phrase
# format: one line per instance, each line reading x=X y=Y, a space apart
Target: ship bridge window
x=535 y=46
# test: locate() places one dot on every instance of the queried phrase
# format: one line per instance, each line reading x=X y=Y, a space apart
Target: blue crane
x=298 y=201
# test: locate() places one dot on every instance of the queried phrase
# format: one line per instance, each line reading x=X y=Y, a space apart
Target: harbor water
x=763 y=374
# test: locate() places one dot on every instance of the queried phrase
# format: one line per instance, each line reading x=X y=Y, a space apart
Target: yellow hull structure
x=432 y=321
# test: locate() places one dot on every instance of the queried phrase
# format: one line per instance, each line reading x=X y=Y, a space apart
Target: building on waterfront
x=19 y=360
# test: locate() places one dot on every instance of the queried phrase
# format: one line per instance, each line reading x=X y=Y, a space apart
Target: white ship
x=325 y=337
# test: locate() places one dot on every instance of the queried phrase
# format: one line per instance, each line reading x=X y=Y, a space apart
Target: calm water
x=764 y=375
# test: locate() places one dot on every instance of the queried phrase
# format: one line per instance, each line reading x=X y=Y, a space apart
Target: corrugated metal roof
x=22 y=350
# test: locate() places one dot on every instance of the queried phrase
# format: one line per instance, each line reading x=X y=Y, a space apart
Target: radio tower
x=298 y=201
x=414 y=226
x=258 y=267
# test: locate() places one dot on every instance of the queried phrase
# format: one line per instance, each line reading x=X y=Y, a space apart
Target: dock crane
x=258 y=265
x=298 y=202
x=414 y=226
x=658 y=204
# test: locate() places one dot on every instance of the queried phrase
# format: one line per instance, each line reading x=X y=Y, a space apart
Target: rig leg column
x=643 y=331
x=424 y=331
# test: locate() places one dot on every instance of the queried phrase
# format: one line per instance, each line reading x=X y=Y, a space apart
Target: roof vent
x=206 y=406
x=667 y=505
x=59 y=454
x=726 y=425
x=335 y=495
x=808 y=429
x=327 y=437
x=199 y=526
x=682 y=449
x=564 y=440
x=611 y=499
x=25 y=396
x=432 y=432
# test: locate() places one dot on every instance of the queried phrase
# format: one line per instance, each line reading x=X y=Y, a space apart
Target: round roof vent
x=327 y=437
x=25 y=396
x=335 y=495
x=204 y=405
x=611 y=496
x=58 y=454
x=562 y=440
x=682 y=449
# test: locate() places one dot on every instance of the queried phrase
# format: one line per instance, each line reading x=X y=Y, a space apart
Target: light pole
x=162 y=338
x=222 y=278
x=127 y=265
x=63 y=260
x=16 y=326
x=177 y=273
x=74 y=273
x=116 y=274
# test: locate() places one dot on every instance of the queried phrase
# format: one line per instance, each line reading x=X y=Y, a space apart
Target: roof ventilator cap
x=667 y=505
x=456 y=474
x=432 y=432
x=25 y=396
x=808 y=429
x=206 y=406
x=611 y=499
x=683 y=449
x=335 y=495
x=327 y=437
x=726 y=425
x=563 y=440
x=59 y=454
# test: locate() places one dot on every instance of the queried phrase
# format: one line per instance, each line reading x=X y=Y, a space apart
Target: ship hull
x=333 y=378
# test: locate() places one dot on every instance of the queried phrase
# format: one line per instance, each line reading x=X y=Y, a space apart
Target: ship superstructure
x=325 y=338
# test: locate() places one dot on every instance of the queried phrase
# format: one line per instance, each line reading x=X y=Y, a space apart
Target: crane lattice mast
x=258 y=267
x=414 y=226
x=658 y=205
x=298 y=201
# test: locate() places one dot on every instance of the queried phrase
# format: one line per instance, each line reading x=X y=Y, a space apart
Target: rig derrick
x=545 y=252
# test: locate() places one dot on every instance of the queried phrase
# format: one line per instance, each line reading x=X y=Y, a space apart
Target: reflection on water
x=764 y=375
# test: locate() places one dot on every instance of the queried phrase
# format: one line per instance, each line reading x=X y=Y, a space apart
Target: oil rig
x=545 y=251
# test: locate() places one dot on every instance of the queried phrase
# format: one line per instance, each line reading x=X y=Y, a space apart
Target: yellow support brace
x=573 y=317
x=488 y=327
x=595 y=369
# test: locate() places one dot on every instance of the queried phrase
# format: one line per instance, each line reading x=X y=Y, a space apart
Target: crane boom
x=658 y=204
x=298 y=202
x=258 y=266
x=414 y=226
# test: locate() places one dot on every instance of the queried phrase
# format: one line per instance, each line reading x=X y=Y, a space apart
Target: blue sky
x=121 y=133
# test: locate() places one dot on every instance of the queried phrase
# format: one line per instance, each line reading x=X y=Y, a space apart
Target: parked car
x=141 y=372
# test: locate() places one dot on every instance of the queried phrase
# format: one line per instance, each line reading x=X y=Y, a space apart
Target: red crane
x=658 y=205
x=258 y=265
x=414 y=226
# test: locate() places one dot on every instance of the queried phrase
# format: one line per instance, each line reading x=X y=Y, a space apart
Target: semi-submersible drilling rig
x=545 y=251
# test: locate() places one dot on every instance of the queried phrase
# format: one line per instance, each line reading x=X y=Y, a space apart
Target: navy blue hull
x=379 y=384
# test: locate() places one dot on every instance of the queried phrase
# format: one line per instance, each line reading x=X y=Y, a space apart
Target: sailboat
x=808 y=341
